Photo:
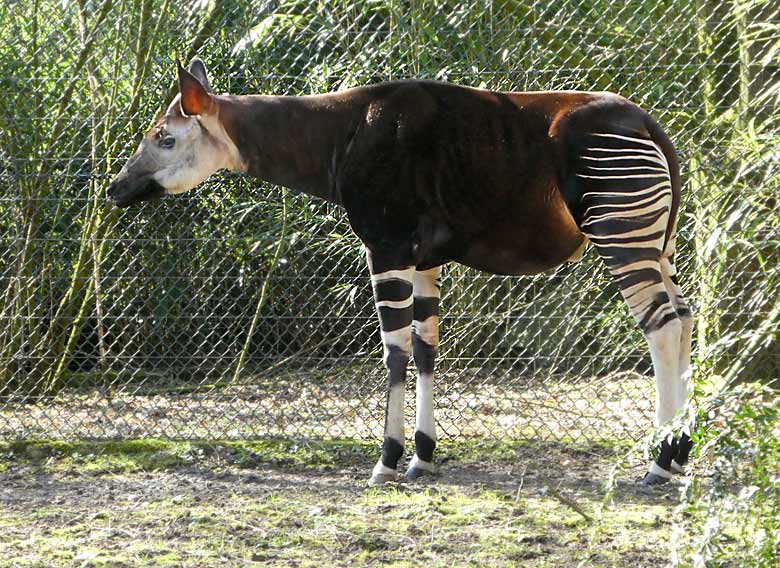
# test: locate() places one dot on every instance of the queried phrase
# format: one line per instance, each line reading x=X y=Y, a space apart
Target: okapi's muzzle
x=124 y=192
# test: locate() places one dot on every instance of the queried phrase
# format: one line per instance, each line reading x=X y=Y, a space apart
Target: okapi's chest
x=434 y=172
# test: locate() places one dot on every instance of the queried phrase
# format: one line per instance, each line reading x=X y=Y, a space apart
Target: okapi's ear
x=195 y=99
x=198 y=70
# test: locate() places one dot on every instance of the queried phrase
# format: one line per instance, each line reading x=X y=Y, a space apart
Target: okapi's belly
x=526 y=243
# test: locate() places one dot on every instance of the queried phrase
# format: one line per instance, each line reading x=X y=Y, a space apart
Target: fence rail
x=133 y=322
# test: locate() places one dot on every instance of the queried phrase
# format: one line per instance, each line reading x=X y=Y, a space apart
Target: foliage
x=89 y=288
x=731 y=506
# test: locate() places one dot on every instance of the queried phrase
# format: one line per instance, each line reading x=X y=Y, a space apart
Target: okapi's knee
x=424 y=354
x=658 y=314
x=396 y=360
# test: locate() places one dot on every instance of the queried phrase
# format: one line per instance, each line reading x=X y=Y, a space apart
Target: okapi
x=429 y=173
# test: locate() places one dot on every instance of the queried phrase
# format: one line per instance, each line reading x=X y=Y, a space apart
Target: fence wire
x=132 y=323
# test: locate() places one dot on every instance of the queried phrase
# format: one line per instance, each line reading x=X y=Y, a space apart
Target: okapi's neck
x=295 y=142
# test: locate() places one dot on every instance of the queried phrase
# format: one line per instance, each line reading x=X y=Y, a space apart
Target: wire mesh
x=131 y=323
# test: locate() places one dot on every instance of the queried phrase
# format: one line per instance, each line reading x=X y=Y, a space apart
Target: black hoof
x=653 y=479
x=684 y=447
x=415 y=473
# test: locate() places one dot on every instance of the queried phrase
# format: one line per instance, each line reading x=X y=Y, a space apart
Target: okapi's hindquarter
x=622 y=183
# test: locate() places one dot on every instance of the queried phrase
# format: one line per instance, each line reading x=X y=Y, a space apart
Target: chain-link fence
x=133 y=322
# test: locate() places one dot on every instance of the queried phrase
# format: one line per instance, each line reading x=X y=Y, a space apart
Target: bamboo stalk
x=263 y=291
x=94 y=142
x=699 y=185
x=739 y=11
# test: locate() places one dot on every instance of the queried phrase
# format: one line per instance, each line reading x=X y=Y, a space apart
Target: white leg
x=664 y=350
x=669 y=273
x=651 y=306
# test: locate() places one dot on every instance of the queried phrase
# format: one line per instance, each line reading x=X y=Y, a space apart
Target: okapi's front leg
x=393 y=298
x=425 y=340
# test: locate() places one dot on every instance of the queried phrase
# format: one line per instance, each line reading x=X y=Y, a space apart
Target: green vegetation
x=157 y=454
x=81 y=80
x=732 y=502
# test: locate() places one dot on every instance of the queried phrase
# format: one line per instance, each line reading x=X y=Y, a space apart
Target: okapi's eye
x=167 y=143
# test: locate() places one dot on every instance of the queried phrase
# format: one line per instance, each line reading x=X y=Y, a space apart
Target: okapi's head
x=186 y=145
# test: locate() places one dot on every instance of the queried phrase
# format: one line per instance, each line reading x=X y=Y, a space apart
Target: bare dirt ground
x=579 y=409
x=156 y=503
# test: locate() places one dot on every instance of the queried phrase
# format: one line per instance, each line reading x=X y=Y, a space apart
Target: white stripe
x=427 y=283
x=627 y=168
x=397 y=304
x=425 y=422
x=427 y=330
x=643 y=288
x=623 y=207
x=399 y=338
x=394 y=427
x=622 y=214
x=390 y=274
x=631 y=244
x=644 y=141
x=612 y=158
x=636 y=193
x=638 y=265
x=622 y=217
x=651 y=159
x=644 y=152
x=637 y=176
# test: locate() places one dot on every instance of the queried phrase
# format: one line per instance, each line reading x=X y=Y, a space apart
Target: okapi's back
x=432 y=172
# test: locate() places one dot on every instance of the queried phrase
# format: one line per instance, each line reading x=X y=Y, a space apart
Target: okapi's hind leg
x=627 y=198
x=393 y=298
x=641 y=285
x=425 y=340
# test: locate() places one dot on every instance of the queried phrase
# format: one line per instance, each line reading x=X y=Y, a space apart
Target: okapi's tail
x=659 y=137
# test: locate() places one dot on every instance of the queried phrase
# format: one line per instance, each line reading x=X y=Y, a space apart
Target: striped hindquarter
x=627 y=202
